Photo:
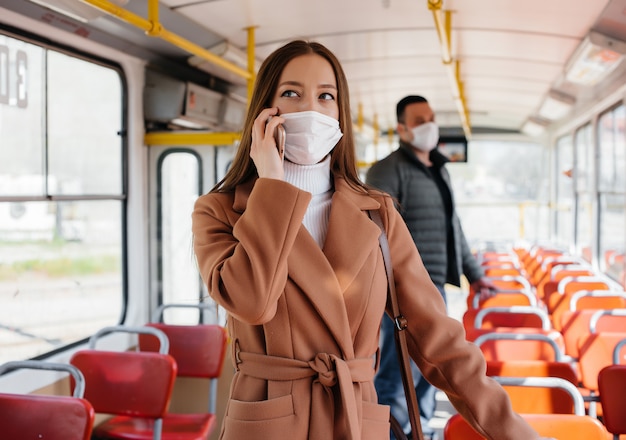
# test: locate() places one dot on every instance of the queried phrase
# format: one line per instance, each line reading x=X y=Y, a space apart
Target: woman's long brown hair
x=343 y=156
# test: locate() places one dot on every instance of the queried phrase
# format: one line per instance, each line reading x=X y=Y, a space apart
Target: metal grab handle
x=528 y=310
x=593 y=321
x=558 y=354
x=158 y=314
x=549 y=382
x=79 y=389
x=164 y=343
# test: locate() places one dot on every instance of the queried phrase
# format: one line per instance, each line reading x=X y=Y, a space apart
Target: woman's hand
x=263 y=150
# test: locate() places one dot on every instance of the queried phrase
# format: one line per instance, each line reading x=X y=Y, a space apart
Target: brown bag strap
x=401 y=324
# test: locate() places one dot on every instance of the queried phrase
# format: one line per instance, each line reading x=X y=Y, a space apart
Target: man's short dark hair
x=411 y=99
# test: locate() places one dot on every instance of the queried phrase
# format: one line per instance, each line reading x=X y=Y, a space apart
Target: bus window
x=61 y=200
x=502 y=191
x=564 y=207
x=583 y=178
x=612 y=191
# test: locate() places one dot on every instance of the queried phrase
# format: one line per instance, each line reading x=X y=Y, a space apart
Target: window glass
x=612 y=191
x=84 y=125
x=62 y=260
x=564 y=167
x=502 y=191
x=583 y=181
x=21 y=105
x=179 y=188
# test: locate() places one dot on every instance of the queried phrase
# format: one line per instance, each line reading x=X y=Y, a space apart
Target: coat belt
x=328 y=369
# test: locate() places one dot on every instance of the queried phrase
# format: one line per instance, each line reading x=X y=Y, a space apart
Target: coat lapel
x=324 y=275
x=350 y=239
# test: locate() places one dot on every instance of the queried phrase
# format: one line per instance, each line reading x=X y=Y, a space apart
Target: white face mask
x=425 y=136
x=309 y=136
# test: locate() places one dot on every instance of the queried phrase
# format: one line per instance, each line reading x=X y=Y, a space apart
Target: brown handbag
x=401 y=324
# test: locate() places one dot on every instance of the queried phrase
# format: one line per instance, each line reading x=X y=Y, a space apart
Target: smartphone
x=279 y=135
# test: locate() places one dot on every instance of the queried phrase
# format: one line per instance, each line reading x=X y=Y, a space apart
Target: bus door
x=178 y=175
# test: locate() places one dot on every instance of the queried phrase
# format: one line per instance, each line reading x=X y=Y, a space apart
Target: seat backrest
x=612 y=388
x=542 y=395
x=597 y=352
x=567 y=426
x=535 y=344
x=514 y=316
x=607 y=320
x=574 y=326
x=533 y=368
x=130 y=383
x=199 y=349
x=597 y=299
x=571 y=284
x=55 y=417
x=505 y=282
x=558 y=426
x=560 y=303
x=506 y=298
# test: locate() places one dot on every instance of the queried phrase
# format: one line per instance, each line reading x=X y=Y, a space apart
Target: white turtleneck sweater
x=316 y=180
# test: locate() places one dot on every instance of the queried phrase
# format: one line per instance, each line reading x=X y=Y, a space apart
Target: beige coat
x=304 y=321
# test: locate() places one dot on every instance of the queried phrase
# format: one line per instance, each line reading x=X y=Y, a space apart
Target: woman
x=288 y=249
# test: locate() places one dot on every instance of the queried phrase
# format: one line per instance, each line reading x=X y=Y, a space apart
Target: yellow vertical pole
x=359 y=117
x=251 y=61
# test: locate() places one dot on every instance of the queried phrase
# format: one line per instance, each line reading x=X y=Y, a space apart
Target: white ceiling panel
x=510 y=53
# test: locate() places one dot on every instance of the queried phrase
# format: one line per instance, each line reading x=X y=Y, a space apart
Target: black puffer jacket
x=407 y=179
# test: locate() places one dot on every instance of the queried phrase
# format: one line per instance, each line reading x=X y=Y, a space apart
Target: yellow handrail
x=444 y=27
x=154 y=28
x=194 y=138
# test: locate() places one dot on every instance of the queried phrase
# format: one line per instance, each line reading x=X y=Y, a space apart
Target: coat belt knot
x=328 y=370
x=324 y=366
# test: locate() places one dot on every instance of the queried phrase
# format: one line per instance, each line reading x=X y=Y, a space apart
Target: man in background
x=416 y=177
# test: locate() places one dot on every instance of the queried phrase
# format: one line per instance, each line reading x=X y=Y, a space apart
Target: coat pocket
x=375 y=421
x=267 y=419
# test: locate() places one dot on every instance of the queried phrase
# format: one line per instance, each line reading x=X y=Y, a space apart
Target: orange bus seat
x=550 y=281
x=598 y=351
x=29 y=416
x=572 y=281
x=505 y=298
x=523 y=344
x=568 y=288
x=542 y=395
x=514 y=316
x=505 y=282
x=551 y=264
x=533 y=368
x=598 y=299
x=134 y=386
x=578 y=324
x=491 y=271
x=557 y=426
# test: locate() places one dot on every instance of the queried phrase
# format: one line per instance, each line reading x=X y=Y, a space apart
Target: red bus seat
x=199 y=351
x=29 y=416
x=612 y=388
x=134 y=386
